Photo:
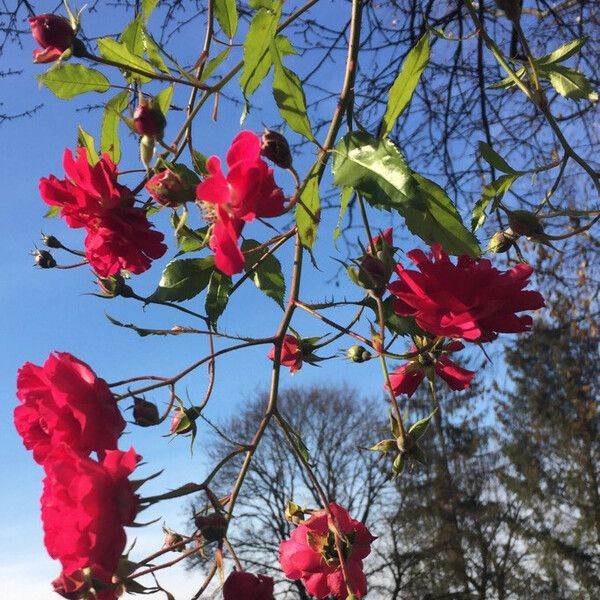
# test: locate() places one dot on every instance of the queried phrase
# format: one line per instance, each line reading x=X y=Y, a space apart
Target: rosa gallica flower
x=64 y=402
x=407 y=377
x=248 y=191
x=119 y=235
x=53 y=33
x=291 y=353
x=247 y=586
x=470 y=299
x=310 y=554
x=85 y=506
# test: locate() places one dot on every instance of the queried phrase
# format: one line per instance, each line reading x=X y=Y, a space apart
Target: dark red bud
x=44 y=259
x=52 y=31
x=213 y=526
x=276 y=148
x=145 y=414
x=149 y=120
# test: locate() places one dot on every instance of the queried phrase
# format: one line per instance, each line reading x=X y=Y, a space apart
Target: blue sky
x=51 y=310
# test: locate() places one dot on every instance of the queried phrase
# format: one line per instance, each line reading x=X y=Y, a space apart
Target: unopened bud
x=53 y=33
x=213 y=526
x=145 y=414
x=114 y=286
x=294 y=513
x=44 y=259
x=173 y=187
x=501 y=242
x=524 y=222
x=149 y=120
x=358 y=354
x=51 y=242
x=74 y=585
x=276 y=148
x=183 y=420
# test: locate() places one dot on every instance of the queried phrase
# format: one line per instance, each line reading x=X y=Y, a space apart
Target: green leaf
x=188 y=240
x=163 y=99
x=507 y=81
x=494 y=159
x=267 y=276
x=405 y=84
x=210 y=67
x=345 y=198
x=289 y=96
x=199 y=162
x=217 y=297
x=376 y=169
x=417 y=430
x=257 y=57
x=152 y=50
x=85 y=140
x=148 y=6
x=493 y=190
x=226 y=13
x=119 y=53
x=569 y=83
x=395 y=323
x=183 y=279
x=133 y=36
x=52 y=212
x=563 y=52
x=109 y=133
x=308 y=211
x=67 y=81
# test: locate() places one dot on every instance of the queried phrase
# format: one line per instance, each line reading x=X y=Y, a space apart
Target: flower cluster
x=65 y=413
x=247 y=192
x=119 y=235
x=311 y=554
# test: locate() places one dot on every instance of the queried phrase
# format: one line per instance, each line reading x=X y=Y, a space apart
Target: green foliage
x=120 y=53
x=111 y=117
x=492 y=191
x=85 y=140
x=494 y=159
x=267 y=274
x=405 y=84
x=183 y=279
x=308 y=211
x=376 y=169
x=217 y=297
x=344 y=199
x=68 y=81
x=227 y=16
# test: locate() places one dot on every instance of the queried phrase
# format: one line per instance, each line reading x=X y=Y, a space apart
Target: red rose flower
x=85 y=506
x=310 y=554
x=291 y=353
x=470 y=300
x=119 y=235
x=247 y=586
x=248 y=191
x=64 y=402
x=53 y=33
x=407 y=377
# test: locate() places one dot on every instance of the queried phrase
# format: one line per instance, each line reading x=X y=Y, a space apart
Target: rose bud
x=51 y=242
x=247 y=586
x=358 y=354
x=44 y=259
x=53 y=33
x=171 y=188
x=74 y=585
x=276 y=148
x=149 y=120
x=213 y=526
x=524 y=222
x=145 y=414
x=114 y=286
x=501 y=241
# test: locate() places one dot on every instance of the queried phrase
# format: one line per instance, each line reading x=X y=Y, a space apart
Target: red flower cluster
x=310 y=554
x=67 y=412
x=119 y=236
x=248 y=191
x=291 y=353
x=247 y=586
x=470 y=300
x=53 y=33
x=407 y=377
x=63 y=402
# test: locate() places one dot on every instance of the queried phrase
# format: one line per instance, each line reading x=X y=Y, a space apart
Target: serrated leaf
x=211 y=65
x=376 y=169
x=119 y=53
x=289 y=96
x=148 y=6
x=345 y=198
x=507 y=81
x=152 y=50
x=188 y=240
x=217 y=297
x=418 y=429
x=183 y=279
x=109 y=133
x=163 y=99
x=563 y=52
x=405 y=84
x=226 y=13
x=199 y=163
x=257 y=55
x=133 y=36
x=267 y=276
x=493 y=190
x=569 y=83
x=494 y=159
x=308 y=211
x=85 y=140
x=68 y=81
